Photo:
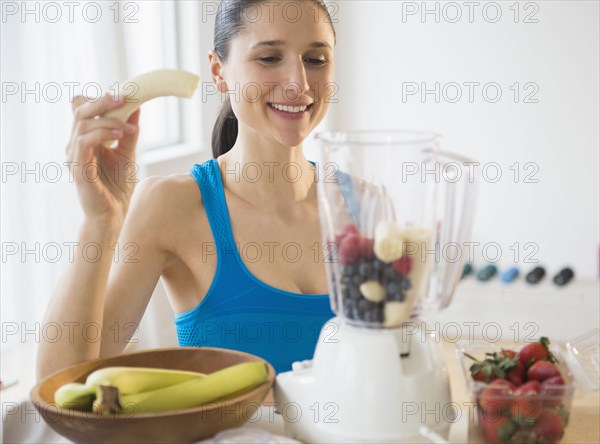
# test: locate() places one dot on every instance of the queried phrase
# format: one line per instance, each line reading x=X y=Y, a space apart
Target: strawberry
x=484 y=371
x=552 y=391
x=550 y=427
x=542 y=370
x=495 y=398
x=496 y=430
x=366 y=248
x=536 y=351
x=506 y=353
x=349 y=248
x=527 y=404
x=504 y=364
x=516 y=375
x=403 y=265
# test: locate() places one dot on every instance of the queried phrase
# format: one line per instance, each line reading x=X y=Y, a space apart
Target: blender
x=395 y=211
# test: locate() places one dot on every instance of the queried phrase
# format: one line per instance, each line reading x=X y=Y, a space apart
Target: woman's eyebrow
x=273 y=43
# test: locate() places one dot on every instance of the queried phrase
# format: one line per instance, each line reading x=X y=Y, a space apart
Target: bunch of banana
x=145 y=390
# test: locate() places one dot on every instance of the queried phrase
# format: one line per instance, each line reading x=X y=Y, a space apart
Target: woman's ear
x=216 y=70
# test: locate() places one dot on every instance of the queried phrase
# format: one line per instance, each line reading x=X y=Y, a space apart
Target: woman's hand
x=104 y=177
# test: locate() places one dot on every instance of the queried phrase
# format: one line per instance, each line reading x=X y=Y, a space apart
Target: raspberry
x=349 y=249
x=349 y=228
x=403 y=265
x=346 y=230
x=366 y=248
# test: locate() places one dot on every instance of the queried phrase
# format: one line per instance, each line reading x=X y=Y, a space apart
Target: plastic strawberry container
x=505 y=414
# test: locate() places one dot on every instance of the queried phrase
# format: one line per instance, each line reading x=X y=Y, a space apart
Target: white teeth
x=289 y=109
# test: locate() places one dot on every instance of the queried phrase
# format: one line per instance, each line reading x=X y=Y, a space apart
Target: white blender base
x=358 y=388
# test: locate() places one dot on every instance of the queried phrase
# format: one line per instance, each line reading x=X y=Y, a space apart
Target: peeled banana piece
x=148 y=86
x=214 y=386
x=388 y=242
x=422 y=240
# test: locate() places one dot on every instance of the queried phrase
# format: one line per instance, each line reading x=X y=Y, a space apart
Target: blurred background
x=513 y=85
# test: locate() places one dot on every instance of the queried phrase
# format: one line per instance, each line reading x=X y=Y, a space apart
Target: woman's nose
x=297 y=82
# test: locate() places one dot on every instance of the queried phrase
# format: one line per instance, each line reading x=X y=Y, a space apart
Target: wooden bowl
x=186 y=425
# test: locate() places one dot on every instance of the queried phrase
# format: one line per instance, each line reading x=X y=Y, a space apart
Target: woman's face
x=296 y=68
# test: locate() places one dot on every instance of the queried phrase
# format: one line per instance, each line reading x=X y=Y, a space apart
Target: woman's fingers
x=85 y=143
x=83 y=127
x=129 y=141
x=85 y=109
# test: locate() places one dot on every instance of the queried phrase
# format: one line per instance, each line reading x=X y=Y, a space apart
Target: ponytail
x=225 y=130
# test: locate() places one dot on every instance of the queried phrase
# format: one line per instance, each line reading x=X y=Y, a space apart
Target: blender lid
x=583 y=353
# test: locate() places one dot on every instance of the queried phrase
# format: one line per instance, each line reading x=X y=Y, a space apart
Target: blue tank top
x=239 y=311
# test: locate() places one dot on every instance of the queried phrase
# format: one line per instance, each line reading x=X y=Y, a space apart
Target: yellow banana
x=75 y=395
x=214 y=386
x=126 y=379
x=148 y=86
x=139 y=379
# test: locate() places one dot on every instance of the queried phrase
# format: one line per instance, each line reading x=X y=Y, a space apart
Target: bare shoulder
x=162 y=204
x=166 y=192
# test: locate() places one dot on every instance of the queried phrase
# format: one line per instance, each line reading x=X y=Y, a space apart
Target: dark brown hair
x=229 y=22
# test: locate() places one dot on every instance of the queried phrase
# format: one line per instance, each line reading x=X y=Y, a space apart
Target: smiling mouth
x=290 y=110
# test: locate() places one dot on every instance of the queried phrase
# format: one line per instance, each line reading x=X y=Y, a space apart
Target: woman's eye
x=317 y=62
x=268 y=59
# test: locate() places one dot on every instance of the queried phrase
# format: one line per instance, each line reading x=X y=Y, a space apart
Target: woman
x=237 y=241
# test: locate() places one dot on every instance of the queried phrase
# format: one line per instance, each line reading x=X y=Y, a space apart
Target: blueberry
x=353 y=268
x=389 y=272
x=355 y=293
x=363 y=307
x=345 y=292
x=345 y=273
x=399 y=297
x=349 y=310
x=345 y=279
x=378 y=264
x=364 y=270
x=378 y=312
x=405 y=283
x=358 y=279
x=393 y=287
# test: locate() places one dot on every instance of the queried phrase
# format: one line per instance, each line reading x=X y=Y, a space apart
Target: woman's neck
x=273 y=178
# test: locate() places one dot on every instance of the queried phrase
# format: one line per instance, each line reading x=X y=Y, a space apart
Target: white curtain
x=44 y=63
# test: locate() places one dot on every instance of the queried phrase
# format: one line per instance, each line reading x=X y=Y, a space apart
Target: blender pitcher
x=395 y=212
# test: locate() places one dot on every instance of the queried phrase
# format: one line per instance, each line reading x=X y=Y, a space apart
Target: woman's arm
x=105 y=297
x=84 y=294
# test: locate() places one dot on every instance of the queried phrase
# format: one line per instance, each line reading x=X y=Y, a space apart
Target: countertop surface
x=21 y=423
x=560 y=313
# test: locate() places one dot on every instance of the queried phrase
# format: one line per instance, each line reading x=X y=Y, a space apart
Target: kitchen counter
x=486 y=304
x=20 y=422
